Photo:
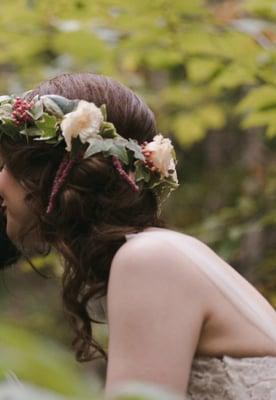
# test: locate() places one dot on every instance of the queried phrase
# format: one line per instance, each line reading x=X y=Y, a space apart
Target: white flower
x=160 y=153
x=84 y=122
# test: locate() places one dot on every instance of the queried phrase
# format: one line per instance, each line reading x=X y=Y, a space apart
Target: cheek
x=4 y=183
x=10 y=189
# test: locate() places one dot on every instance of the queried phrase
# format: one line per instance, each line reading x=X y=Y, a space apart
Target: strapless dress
x=228 y=378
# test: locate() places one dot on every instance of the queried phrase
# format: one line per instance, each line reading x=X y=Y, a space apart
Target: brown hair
x=96 y=208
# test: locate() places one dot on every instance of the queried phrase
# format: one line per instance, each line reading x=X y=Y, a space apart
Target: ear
x=9 y=254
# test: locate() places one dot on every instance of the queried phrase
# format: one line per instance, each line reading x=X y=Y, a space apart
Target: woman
x=8 y=252
x=178 y=315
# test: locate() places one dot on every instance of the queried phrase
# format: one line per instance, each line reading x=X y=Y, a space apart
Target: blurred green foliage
x=41 y=362
x=207 y=69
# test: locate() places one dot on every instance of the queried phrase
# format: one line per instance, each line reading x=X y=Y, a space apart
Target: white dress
x=226 y=378
x=250 y=378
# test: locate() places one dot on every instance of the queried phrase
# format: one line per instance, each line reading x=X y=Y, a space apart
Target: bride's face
x=18 y=214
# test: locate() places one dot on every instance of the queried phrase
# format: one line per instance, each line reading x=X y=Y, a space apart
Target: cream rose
x=84 y=122
x=160 y=154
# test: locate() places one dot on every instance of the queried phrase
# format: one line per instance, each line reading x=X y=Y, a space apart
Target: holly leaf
x=95 y=146
x=141 y=173
x=107 y=145
x=135 y=147
x=119 y=151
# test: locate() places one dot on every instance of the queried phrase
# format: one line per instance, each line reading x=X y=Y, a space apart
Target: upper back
x=241 y=322
x=170 y=300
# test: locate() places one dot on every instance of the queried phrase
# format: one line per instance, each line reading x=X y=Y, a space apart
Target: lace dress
x=250 y=378
x=226 y=378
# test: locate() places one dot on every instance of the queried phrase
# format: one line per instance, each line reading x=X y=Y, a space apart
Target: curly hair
x=95 y=208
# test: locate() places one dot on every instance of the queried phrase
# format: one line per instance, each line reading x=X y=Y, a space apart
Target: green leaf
x=261 y=8
x=258 y=99
x=66 y=105
x=203 y=69
x=95 y=146
x=211 y=116
x=119 y=151
x=36 y=111
x=107 y=144
x=8 y=128
x=108 y=130
x=103 y=110
x=30 y=131
x=51 y=106
x=41 y=361
x=188 y=129
x=47 y=126
x=271 y=131
x=135 y=147
x=112 y=147
x=142 y=173
x=260 y=118
x=234 y=75
x=55 y=140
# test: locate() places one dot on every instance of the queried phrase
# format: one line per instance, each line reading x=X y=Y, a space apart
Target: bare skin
x=19 y=216
x=162 y=313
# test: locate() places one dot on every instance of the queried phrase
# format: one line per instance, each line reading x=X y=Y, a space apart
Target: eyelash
x=2 y=166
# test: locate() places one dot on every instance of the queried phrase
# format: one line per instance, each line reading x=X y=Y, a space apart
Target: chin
x=22 y=235
x=12 y=234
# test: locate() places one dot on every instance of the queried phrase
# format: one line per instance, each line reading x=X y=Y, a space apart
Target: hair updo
x=95 y=208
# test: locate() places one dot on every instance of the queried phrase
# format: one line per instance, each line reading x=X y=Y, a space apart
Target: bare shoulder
x=149 y=262
x=155 y=309
x=140 y=252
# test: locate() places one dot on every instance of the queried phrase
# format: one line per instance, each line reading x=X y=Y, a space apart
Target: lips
x=3 y=206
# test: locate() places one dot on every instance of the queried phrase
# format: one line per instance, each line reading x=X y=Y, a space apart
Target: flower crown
x=86 y=132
